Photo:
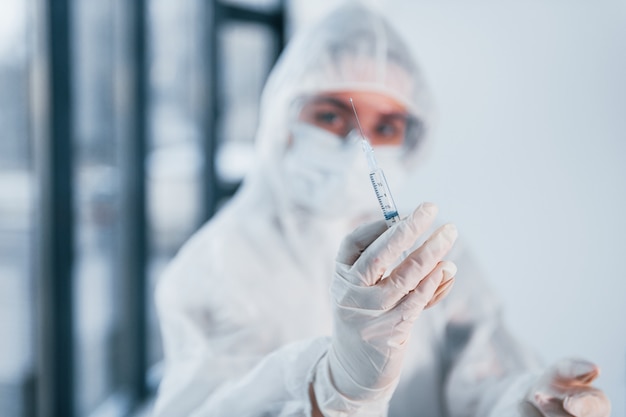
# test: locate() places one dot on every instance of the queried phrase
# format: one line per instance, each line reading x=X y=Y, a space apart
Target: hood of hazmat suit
x=351 y=50
x=244 y=307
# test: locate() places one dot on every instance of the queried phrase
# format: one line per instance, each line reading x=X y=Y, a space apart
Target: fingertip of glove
x=540 y=398
x=449 y=270
x=586 y=404
x=441 y=292
x=450 y=231
x=580 y=370
x=425 y=209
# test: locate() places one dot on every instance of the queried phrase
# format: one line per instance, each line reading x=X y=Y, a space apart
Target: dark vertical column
x=209 y=105
x=280 y=28
x=55 y=382
x=132 y=116
x=215 y=15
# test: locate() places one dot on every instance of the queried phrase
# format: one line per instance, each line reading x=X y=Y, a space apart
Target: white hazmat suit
x=244 y=307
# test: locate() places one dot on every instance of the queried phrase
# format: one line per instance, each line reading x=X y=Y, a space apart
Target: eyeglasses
x=335 y=115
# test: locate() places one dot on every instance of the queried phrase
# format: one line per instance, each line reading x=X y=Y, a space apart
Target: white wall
x=529 y=160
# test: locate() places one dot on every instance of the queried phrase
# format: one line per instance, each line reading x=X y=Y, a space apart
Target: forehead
x=364 y=101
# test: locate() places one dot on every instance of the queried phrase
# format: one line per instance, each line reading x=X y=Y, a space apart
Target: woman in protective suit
x=282 y=306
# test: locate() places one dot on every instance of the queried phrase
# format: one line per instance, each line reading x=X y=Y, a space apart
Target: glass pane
x=16 y=214
x=255 y=4
x=178 y=68
x=97 y=199
x=240 y=45
x=174 y=165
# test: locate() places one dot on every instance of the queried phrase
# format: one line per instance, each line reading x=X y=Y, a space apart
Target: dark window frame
x=53 y=133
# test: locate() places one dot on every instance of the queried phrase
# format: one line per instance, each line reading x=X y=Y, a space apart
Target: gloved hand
x=373 y=315
x=565 y=390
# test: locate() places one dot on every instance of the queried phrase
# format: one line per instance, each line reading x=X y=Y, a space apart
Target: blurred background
x=125 y=125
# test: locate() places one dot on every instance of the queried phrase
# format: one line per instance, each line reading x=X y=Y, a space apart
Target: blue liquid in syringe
x=391 y=215
x=388 y=207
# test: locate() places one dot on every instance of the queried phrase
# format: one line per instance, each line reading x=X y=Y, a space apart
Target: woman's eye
x=327 y=117
x=389 y=132
x=386 y=130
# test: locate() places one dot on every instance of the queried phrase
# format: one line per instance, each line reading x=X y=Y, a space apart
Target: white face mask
x=328 y=175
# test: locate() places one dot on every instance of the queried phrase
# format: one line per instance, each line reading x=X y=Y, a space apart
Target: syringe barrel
x=369 y=155
x=387 y=205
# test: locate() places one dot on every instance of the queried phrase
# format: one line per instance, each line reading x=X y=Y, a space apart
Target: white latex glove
x=373 y=316
x=565 y=390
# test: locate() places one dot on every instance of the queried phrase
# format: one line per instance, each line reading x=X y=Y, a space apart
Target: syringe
x=377 y=177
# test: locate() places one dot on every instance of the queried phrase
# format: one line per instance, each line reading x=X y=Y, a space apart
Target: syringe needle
x=367 y=148
x=357 y=119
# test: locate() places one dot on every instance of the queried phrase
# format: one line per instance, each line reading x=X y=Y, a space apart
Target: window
x=107 y=166
x=17 y=214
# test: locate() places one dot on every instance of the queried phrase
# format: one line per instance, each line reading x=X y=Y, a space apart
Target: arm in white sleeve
x=218 y=364
x=488 y=372
x=277 y=385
